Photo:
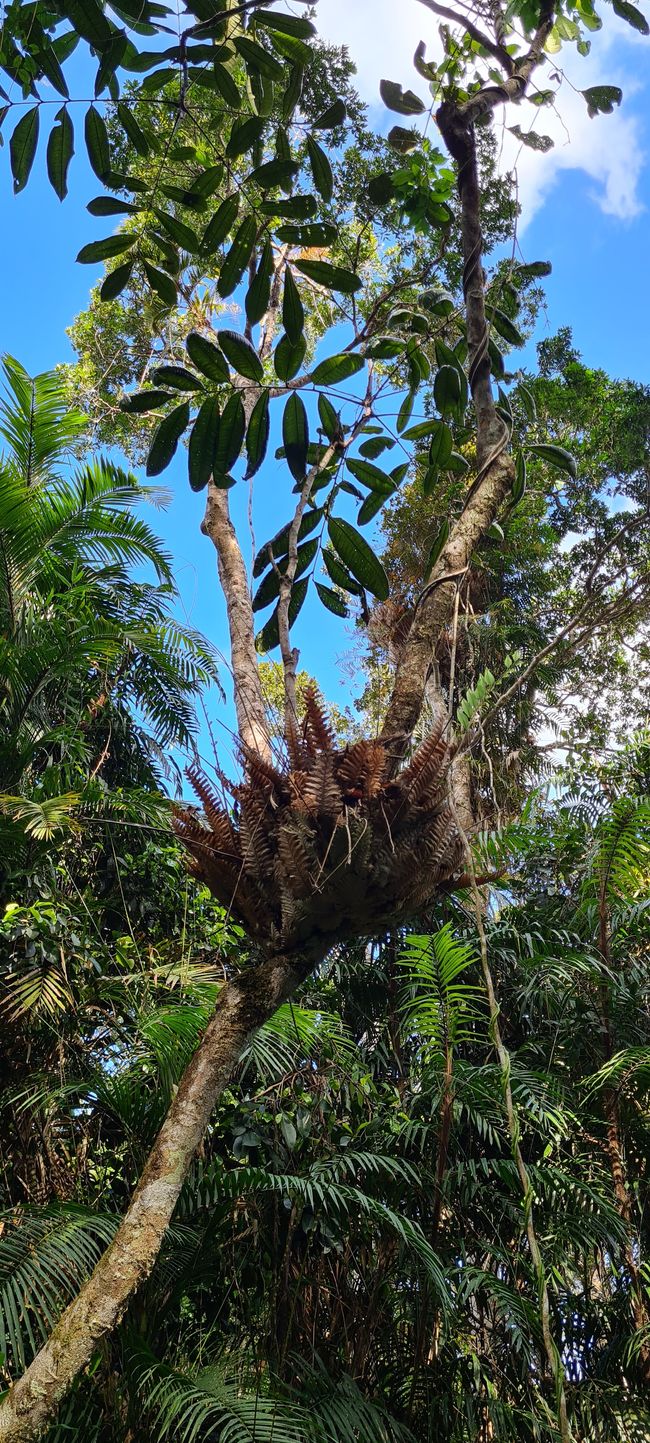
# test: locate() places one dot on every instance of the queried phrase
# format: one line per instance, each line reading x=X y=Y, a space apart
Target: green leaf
x=278 y=546
x=203 y=444
x=533 y=269
x=51 y=69
x=258 y=294
x=406 y=411
x=437 y=548
x=288 y=357
x=241 y=354
x=504 y=326
x=258 y=59
x=220 y=225
x=372 y=504
x=295 y=436
x=96 y=137
x=381 y=189
x=161 y=283
x=333 y=278
x=358 y=556
x=141 y=401
x=238 y=257
x=257 y=435
x=285 y=24
x=332 y=600
x=166 y=439
x=103 y=250
x=227 y=86
x=335 y=115
x=244 y=135
x=403 y=140
x=272 y=173
x=320 y=169
x=116 y=281
x=299 y=207
x=207 y=357
x=181 y=234
x=109 y=205
x=329 y=418
x=556 y=456
x=403 y=101
x=457 y=464
x=269 y=637
x=339 y=573
x=131 y=128
x=232 y=427
x=376 y=446
x=420 y=430
x=60 y=149
x=193 y=199
x=447 y=390
x=441 y=446
x=318 y=235
x=633 y=16
x=602 y=98
x=22 y=147
x=178 y=377
x=371 y=476
x=337 y=368
x=269 y=588
x=293 y=315
x=87 y=18
x=519 y=483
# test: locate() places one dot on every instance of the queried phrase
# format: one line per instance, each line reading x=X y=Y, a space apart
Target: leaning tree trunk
x=243 y=1006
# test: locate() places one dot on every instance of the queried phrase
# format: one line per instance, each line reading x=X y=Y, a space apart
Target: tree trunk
x=243 y=1006
x=249 y=702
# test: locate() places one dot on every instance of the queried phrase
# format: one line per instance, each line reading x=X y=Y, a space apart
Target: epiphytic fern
x=329 y=846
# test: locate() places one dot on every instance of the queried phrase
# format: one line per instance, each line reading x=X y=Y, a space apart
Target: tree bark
x=243 y=1006
x=249 y=701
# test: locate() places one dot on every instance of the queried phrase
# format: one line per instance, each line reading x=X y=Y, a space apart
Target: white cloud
x=382 y=35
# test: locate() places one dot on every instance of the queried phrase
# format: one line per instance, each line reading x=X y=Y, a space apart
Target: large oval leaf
x=320 y=169
x=141 y=401
x=207 y=357
x=220 y=225
x=295 y=435
x=231 y=435
x=96 y=136
x=257 y=435
x=288 y=357
x=60 y=148
x=258 y=294
x=176 y=376
x=203 y=443
x=371 y=476
x=358 y=556
x=238 y=257
x=556 y=456
x=103 y=250
x=241 y=354
x=166 y=439
x=337 y=368
x=293 y=315
x=269 y=637
x=22 y=147
x=333 y=278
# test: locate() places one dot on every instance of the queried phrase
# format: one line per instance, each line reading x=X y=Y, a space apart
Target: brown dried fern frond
x=317 y=731
x=331 y=848
x=361 y=770
x=425 y=766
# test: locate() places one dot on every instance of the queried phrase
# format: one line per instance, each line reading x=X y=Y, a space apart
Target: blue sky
x=585 y=209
